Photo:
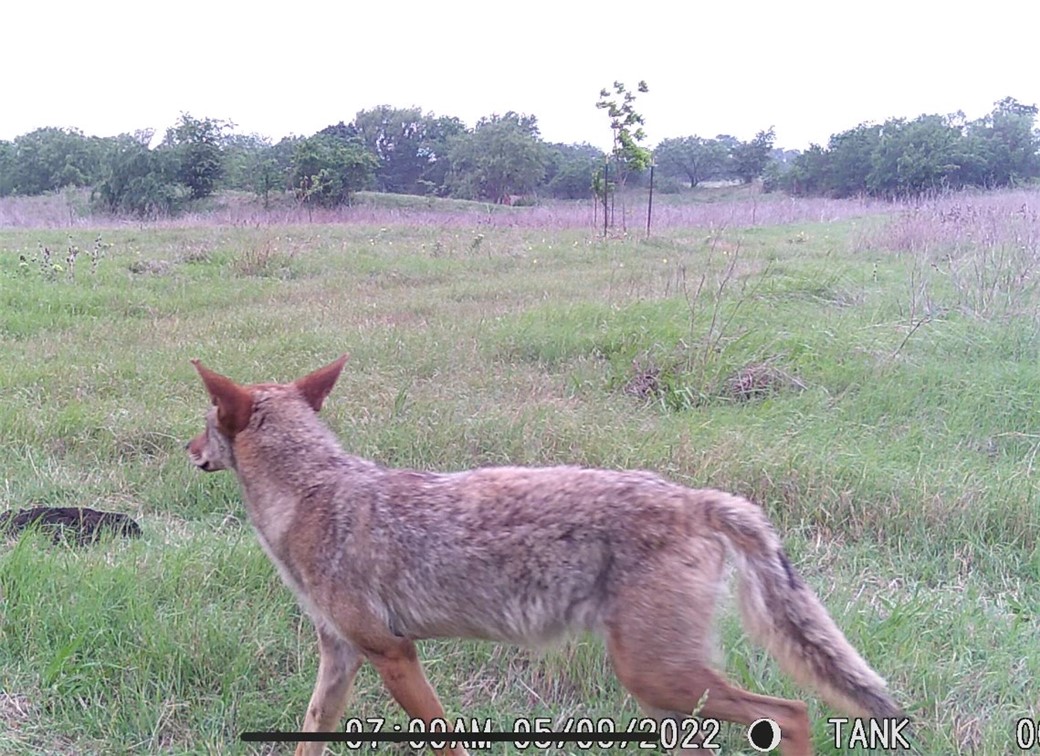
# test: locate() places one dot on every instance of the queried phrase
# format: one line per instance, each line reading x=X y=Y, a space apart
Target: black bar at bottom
x=449 y=737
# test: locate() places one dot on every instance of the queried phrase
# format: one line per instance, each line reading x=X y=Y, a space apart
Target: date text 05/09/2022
x=535 y=733
x=538 y=733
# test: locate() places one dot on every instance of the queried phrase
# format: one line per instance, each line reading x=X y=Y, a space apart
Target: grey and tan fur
x=381 y=558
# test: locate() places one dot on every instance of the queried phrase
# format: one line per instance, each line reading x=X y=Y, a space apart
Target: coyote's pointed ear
x=316 y=386
x=234 y=404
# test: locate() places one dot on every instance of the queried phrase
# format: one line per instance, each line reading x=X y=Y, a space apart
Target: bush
x=200 y=157
x=573 y=180
x=140 y=181
x=327 y=170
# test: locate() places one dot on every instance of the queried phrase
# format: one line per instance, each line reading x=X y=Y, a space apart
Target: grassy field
x=870 y=378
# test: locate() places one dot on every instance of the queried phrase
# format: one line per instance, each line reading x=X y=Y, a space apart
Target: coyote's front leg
x=337 y=667
x=403 y=676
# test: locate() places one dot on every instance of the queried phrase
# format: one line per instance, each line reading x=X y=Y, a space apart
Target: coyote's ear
x=234 y=404
x=316 y=386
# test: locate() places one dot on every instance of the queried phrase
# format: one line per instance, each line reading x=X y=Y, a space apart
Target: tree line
x=903 y=157
x=503 y=158
x=725 y=158
x=401 y=150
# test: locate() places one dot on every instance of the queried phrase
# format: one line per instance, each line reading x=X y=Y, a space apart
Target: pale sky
x=810 y=69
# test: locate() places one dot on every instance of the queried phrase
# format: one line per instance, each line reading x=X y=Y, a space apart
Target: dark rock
x=79 y=525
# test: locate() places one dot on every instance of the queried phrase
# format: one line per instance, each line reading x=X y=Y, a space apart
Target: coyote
x=380 y=558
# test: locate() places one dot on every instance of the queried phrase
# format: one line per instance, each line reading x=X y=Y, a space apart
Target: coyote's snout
x=380 y=558
x=209 y=454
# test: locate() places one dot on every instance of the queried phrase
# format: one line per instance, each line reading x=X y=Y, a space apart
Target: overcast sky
x=809 y=69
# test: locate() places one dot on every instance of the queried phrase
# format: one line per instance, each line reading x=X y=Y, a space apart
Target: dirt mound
x=757 y=380
x=79 y=525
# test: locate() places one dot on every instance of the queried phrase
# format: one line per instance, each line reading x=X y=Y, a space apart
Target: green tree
x=252 y=163
x=140 y=181
x=408 y=144
x=501 y=157
x=440 y=135
x=628 y=155
x=808 y=172
x=893 y=159
x=328 y=170
x=731 y=145
x=50 y=158
x=907 y=157
x=240 y=154
x=751 y=158
x=1006 y=143
x=691 y=158
x=851 y=160
x=570 y=170
x=915 y=156
x=393 y=135
x=776 y=175
x=778 y=170
x=344 y=132
x=6 y=168
x=626 y=126
x=197 y=144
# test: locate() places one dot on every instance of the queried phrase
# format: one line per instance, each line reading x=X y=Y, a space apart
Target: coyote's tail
x=781 y=612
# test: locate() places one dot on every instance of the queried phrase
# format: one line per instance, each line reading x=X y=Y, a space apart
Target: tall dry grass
x=71 y=209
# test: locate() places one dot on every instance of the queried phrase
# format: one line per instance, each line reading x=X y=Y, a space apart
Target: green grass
x=897 y=460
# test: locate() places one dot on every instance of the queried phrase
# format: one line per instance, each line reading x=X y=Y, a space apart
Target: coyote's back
x=382 y=557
